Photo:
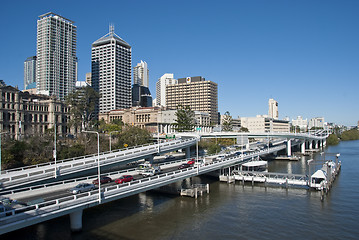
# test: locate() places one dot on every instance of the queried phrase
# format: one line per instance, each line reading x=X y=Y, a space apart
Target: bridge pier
x=311 y=144
x=76 y=221
x=324 y=142
x=289 y=148
x=302 y=147
x=316 y=144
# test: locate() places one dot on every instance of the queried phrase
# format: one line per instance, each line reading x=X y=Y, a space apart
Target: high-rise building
x=30 y=72
x=195 y=92
x=273 y=108
x=88 y=79
x=141 y=96
x=140 y=74
x=317 y=122
x=111 y=71
x=161 y=84
x=56 y=73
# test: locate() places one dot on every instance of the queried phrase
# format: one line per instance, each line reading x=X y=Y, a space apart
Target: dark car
x=124 y=179
x=184 y=165
x=103 y=180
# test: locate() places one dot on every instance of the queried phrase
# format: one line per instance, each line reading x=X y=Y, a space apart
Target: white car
x=151 y=172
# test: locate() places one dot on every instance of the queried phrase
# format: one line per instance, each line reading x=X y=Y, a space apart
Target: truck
x=209 y=159
x=143 y=167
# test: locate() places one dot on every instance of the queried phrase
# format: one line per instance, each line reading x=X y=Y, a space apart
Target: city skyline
x=304 y=55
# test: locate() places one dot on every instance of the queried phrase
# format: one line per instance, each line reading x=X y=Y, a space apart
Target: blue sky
x=304 y=54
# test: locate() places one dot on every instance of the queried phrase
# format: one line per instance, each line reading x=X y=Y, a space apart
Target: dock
x=195 y=190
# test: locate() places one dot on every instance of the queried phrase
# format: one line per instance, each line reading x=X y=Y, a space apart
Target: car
x=169 y=157
x=151 y=172
x=191 y=162
x=124 y=179
x=103 y=180
x=82 y=187
x=184 y=165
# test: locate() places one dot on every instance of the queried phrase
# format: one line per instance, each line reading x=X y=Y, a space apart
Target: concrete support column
x=324 y=142
x=316 y=144
x=188 y=152
x=302 y=147
x=289 y=148
x=311 y=144
x=76 y=221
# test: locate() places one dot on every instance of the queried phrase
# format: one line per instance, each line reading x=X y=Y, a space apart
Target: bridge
x=75 y=204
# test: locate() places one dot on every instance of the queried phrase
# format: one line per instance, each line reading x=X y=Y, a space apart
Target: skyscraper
x=161 y=84
x=140 y=74
x=56 y=73
x=111 y=71
x=30 y=72
x=273 y=108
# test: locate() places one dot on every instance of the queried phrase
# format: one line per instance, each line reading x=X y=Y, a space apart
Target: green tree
x=227 y=122
x=82 y=107
x=185 y=119
x=348 y=135
x=132 y=136
x=332 y=139
x=243 y=129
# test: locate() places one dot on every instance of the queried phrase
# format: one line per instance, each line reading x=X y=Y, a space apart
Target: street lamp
x=0 y=149
x=110 y=138
x=55 y=150
x=98 y=163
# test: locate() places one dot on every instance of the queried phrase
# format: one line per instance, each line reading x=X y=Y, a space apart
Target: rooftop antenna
x=112 y=29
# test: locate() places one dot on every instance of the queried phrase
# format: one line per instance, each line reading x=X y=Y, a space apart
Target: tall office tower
x=161 y=84
x=30 y=72
x=111 y=72
x=140 y=74
x=195 y=92
x=273 y=108
x=56 y=73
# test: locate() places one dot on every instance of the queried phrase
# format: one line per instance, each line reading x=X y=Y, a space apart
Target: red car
x=103 y=180
x=124 y=179
x=192 y=161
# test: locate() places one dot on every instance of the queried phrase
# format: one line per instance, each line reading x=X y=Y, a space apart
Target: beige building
x=260 y=124
x=154 y=119
x=23 y=113
x=195 y=92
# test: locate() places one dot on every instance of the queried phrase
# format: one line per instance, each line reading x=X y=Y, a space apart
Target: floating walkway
x=195 y=190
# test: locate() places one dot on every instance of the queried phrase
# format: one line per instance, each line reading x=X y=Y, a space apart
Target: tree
x=82 y=107
x=227 y=122
x=185 y=119
x=132 y=136
x=243 y=129
x=332 y=139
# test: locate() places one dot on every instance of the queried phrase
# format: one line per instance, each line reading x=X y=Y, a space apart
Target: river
x=229 y=211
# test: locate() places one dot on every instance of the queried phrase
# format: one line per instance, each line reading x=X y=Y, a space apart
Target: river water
x=230 y=211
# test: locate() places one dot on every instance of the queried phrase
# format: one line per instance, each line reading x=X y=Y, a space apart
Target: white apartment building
x=273 y=108
x=301 y=123
x=56 y=73
x=161 y=84
x=30 y=72
x=140 y=74
x=317 y=122
x=111 y=72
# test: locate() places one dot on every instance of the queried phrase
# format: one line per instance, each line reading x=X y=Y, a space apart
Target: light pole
x=98 y=163
x=110 y=138
x=55 y=150
x=0 y=149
